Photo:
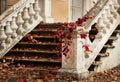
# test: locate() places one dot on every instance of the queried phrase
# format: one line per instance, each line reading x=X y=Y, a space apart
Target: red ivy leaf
x=83 y=36
x=41 y=22
x=71 y=29
x=69 y=37
x=86 y=48
x=58 y=54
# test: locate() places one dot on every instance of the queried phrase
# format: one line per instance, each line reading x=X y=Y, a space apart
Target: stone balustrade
x=106 y=22
x=16 y=22
x=83 y=51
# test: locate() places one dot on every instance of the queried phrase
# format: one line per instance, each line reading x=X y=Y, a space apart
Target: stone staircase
x=37 y=51
x=34 y=56
x=104 y=53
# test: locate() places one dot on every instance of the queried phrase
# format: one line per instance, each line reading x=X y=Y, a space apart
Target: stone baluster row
x=106 y=19
x=95 y=11
x=18 y=24
x=3 y=37
x=97 y=8
x=105 y=22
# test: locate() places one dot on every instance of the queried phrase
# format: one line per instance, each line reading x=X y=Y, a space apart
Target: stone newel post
x=74 y=66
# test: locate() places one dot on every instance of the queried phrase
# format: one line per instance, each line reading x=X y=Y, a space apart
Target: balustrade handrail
x=16 y=22
x=92 y=11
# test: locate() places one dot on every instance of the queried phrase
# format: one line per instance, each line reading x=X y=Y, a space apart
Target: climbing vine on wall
x=64 y=35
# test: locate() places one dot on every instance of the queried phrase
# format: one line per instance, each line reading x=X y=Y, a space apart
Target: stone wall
x=9 y=3
x=6 y=4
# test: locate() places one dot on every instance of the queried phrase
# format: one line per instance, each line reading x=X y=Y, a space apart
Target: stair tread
x=117 y=31
x=39 y=30
x=38 y=43
x=113 y=38
x=109 y=46
x=51 y=24
x=42 y=36
x=35 y=51
x=104 y=54
x=96 y=63
x=37 y=60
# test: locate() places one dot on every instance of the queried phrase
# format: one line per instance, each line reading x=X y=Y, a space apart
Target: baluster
x=116 y=4
x=37 y=9
x=113 y=11
x=105 y=20
x=14 y=27
x=100 y=26
x=109 y=15
x=8 y=32
x=26 y=17
x=2 y=38
x=32 y=13
x=20 y=22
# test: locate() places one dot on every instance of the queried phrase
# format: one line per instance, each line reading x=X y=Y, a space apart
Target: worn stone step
x=51 y=25
x=96 y=63
x=38 y=43
x=34 y=59
x=44 y=30
x=113 y=38
x=118 y=31
x=108 y=46
x=41 y=36
x=35 y=51
x=104 y=54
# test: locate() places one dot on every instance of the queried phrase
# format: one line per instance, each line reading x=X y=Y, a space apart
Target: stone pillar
x=74 y=66
x=46 y=12
x=77 y=9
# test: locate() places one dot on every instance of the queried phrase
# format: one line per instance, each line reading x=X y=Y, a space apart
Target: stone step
x=44 y=30
x=96 y=63
x=38 y=43
x=118 y=31
x=50 y=25
x=113 y=38
x=34 y=51
x=108 y=46
x=50 y=60
x=42 y=36
x=103 y=54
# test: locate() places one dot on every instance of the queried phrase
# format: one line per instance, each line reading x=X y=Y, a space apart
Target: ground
x=20 y=73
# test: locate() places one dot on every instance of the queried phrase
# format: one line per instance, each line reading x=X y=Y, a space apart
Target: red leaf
x=69 y=37
x=65 y=48
x=41 y=22
x=58 y=54
x=71 y=29
x=86 y=48
x=83 y=36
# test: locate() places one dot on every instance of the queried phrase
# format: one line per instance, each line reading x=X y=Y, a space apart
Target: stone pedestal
x=74 y=73
x=74 y=66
